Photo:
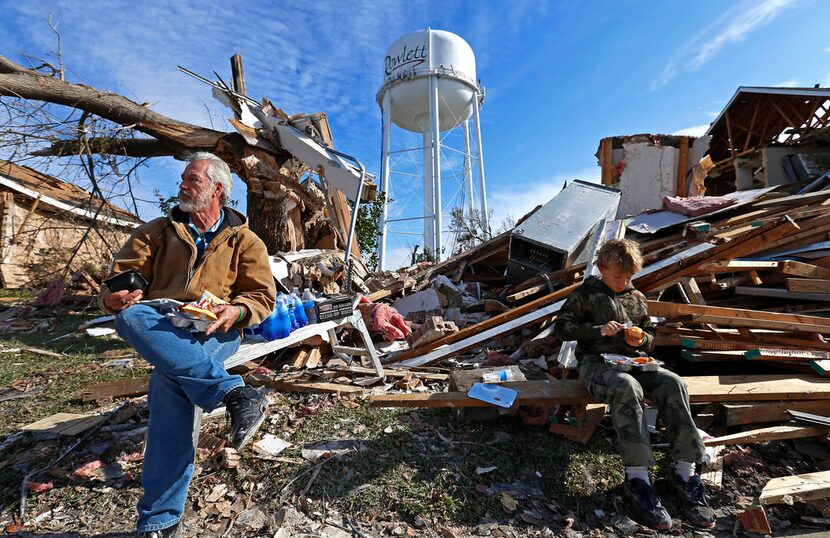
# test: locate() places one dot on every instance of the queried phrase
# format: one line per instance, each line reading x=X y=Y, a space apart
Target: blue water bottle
x=299 y=311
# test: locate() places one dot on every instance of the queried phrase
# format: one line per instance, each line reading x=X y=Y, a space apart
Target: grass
x=423 y=464
x=412 y=465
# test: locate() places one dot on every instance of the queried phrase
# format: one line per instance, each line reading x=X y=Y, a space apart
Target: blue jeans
x=188 y=371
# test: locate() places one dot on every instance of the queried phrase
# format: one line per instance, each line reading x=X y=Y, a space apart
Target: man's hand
x=119 y=300
x=227 y=315
x=611 y=328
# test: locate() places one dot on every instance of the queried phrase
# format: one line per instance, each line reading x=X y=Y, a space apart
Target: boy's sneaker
x=246 y=407
x=646 y=504
x=692 y=495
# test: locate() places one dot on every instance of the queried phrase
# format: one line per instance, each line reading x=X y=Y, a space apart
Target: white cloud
x=733 y=26
x=792 y=83
x=697 y=130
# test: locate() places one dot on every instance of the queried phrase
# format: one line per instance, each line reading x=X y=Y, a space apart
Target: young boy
x=595 y=315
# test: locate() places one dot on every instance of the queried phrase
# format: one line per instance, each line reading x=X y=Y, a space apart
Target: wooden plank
x=798 y=488
x=589 y=422
x=711 y=474
x=314 y=357
x=302 y=386
x=300 y=357
x=702 y=389
x=781 y=294
x=389 y=372
x=806 y=270
x=65 y=423
x=495 y=321
x=682 y=165
x=791 y=322
x=476 y=340
x=773 y=433
x=736 y=414
x=692 y=290
x=821 y=367
x=771 y=354
x=607 y=161
x=808 y=285
x=116 y=389
x=735 y=266
x=742 y=245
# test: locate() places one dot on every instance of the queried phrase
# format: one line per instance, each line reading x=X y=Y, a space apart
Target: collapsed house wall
x=35 y=245
x=645 y=168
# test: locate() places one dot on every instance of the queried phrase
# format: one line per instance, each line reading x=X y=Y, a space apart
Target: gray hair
x=218 y=171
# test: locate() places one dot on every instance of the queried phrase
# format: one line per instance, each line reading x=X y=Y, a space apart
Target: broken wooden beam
x=492 y=325
x=797 y=488
x=773 y=433
x=702 y=389
x=116 y=389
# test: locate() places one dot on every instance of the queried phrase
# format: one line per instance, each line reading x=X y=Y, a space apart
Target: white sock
x=684 y=470
x=637 y=472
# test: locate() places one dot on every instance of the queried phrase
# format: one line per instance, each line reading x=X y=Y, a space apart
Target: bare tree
x=89 y=122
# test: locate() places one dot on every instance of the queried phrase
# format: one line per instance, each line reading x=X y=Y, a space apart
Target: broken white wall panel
x=649 y=174
x=423 y=301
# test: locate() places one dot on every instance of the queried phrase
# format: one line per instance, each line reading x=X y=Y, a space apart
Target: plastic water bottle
x=292 y=319
x=299 y=310
x=308 y=306
x=278 y=324
x=498 y=376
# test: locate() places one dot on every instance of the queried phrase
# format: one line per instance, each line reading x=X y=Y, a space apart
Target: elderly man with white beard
x=202 y=245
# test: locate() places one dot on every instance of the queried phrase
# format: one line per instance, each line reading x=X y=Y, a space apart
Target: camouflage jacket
x=591 y=306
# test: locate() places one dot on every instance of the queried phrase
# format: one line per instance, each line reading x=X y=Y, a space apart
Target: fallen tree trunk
x=284 y=213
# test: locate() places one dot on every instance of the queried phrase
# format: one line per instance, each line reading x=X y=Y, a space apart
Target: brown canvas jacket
x=234 y=266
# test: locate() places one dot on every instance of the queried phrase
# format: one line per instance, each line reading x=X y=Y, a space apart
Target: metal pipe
x=485 y=218
x=468 y=169
x=386 y=111
x=436 y=166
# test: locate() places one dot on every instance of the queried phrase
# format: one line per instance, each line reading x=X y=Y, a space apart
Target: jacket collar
x=233 y=218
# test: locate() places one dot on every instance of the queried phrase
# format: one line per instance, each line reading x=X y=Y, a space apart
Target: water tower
x=430 y=88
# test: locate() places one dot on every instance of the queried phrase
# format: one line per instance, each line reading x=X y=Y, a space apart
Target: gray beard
x=199 y=203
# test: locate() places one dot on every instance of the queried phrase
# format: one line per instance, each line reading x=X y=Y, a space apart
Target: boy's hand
x=634 y=336
x=611 y=328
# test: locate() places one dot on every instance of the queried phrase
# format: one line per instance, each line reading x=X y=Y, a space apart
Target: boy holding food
x=606 y=315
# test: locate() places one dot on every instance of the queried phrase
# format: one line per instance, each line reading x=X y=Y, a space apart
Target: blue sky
x=559 y=75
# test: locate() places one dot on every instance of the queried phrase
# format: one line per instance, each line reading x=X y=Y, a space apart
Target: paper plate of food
x=626 y=364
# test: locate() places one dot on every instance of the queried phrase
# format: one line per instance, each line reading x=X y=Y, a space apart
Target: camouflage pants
x=624 y=392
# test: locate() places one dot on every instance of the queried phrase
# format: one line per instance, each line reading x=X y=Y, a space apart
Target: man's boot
x=246 y=407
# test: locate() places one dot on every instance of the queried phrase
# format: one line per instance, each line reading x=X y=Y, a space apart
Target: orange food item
x=635 y=333
x=642 y=360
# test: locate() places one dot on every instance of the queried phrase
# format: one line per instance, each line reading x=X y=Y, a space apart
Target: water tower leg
x=485 y=219
x=468 y=168
x=429 y=198
x=384 y=181
x=436 y=165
